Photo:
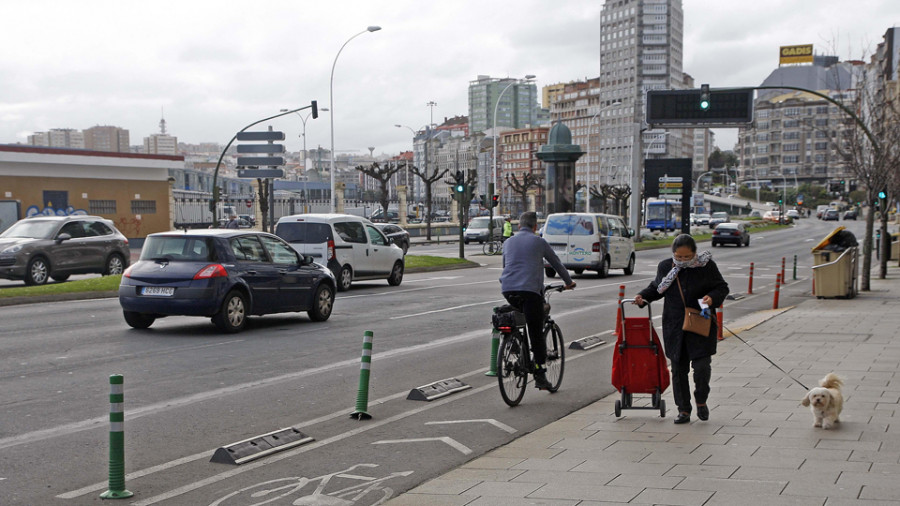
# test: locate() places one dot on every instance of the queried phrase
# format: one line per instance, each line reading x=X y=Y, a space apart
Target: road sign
x=260 y=136
x=259 y=161
x=260 y=148
x=724 y=107
x=250 y=202
x=255 y=173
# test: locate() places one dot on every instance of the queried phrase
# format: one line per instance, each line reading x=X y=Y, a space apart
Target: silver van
x=590 y=242
x=352 y=247
x=478 y=229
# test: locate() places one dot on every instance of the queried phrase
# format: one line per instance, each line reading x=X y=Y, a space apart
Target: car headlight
x=12 y=249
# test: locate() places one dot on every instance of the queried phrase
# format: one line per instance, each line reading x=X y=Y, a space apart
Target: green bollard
x=795 y=267
x=116 y=440
x=362 y=396
x=495 y=344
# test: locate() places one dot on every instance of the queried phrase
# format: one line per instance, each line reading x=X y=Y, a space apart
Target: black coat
x=696 y=282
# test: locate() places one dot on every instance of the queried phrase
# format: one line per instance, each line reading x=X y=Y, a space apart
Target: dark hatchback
x=223 y=274
x=731 y=233
x=396 y=234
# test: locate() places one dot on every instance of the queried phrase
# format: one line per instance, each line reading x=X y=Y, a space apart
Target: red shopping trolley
x=639 y=364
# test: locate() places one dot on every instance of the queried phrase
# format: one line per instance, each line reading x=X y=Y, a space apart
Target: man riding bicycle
x=522 y=283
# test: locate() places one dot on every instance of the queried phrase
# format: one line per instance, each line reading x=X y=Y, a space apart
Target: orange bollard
x=777 y=289
x=750 y=286
x=783 y=279
x=619 y=310
x=720 y=311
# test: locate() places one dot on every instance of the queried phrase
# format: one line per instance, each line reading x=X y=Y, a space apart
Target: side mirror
x=62 y=237
x=306 y=260
x=630 y=232
x=390 y=240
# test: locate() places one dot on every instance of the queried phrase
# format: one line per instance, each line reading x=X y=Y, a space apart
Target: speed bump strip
x=260 y=446
x=437 y=390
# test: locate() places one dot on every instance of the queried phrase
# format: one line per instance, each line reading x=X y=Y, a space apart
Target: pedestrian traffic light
x=495 y=200
x=704 y=97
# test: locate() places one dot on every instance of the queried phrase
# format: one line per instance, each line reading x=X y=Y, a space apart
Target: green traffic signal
x=882 y=195
x=704 y=97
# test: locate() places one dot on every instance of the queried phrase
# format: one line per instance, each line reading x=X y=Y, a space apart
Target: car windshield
x=479 y=223
x=185 y=248
x=569 y=224
x=720 y=215
x=31 y=229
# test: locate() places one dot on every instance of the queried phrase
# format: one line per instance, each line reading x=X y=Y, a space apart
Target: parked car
x=396 y=234
x=223 y=274
x=792 y=214
x=850 y=214
x=831 y=215
x=730 y=233
x=352 y=247
x=590 y=242
x=478 y=229
x=716 y=218
x=55 y=247
x=755 y=214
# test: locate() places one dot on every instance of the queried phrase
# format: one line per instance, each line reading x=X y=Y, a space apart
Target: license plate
x=158 y=291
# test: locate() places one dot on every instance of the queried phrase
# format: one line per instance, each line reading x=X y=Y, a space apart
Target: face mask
x=680 y=263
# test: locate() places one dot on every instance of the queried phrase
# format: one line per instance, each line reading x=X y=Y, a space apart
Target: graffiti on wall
x=33 y=211
x=130 y=226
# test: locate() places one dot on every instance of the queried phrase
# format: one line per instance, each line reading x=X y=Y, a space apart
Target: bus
x=663 y=215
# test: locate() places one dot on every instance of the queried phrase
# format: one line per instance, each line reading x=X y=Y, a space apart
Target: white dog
x=826 y=401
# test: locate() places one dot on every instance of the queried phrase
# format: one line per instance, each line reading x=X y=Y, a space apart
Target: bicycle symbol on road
x=267 y=492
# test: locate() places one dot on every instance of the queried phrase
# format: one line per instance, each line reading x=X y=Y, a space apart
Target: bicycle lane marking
x=318 y=444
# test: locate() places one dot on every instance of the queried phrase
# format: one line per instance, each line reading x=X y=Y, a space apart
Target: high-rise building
x=107 y=138
x=58 y=138
x=161 y=143
x=518 y=107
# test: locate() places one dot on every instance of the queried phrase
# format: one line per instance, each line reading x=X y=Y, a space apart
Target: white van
x=351 y=246
x=590 y=242
x=478 y=229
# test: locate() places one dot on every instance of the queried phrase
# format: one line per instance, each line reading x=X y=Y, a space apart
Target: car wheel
x=323 y=304
x=396 y=276
x=345 y=277
x=604 y=268
x=550 y=272
x=714 y=244
x=232 y=316
x=747 y=243
x=37 y=272
x=60 y=277
x=138 y=320
x=630 y=269
x=405 y=247
x=114 y=265
x=465 y=241
x=578 y=271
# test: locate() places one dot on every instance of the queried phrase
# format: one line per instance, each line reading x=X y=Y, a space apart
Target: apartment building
x=107 y=138
x=517 y=108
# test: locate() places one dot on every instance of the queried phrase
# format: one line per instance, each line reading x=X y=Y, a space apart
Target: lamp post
x=303 y=134
x=331 y=104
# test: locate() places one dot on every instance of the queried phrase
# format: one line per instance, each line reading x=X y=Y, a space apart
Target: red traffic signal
x=495 y=200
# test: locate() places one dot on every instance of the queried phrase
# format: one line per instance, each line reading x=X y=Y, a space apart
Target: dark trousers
x=532 y=304
x=681 y=389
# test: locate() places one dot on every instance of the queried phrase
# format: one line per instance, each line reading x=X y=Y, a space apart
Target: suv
x=590 y=241
x=352 y=247
x=43 y=247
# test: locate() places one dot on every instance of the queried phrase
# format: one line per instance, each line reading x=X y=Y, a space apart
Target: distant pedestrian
x=696 y=277
x=233 y=222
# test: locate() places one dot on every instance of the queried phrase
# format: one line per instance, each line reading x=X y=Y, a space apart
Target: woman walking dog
x=683 y=281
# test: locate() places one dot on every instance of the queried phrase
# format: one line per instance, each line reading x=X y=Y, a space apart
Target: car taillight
x=211 y=271
x=127 y=272
x=596 y=247
x=331 y=249
x=715 y=232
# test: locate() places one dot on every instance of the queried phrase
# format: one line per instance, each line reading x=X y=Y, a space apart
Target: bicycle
x=494 y=247
x=514 y=362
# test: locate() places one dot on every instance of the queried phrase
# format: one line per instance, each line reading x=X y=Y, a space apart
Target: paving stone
x=555 y=464
x=586 y=493
x=739 y=499
x=520 y=501
x=817 y=488
x=412 y=498
x=483 y=474
x=730 y=485
x=564 y=477
x=676 y=497
x=503 y=489
x=443 y=486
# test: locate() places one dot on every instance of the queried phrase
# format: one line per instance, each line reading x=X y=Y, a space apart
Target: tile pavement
x=758 y=447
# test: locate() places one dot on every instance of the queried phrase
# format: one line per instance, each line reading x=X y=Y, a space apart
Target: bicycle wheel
x=491 y=248
x=511 y=372
x=556 y=355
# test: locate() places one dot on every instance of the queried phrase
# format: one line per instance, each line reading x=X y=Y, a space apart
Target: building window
x=143 y=207
x=791 y=147
x=102 y=207
x=821 y=146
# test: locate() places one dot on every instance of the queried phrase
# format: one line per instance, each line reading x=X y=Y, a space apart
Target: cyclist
x=522 y=283
x=507 y=229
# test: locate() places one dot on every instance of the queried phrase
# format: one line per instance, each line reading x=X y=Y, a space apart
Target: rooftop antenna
x=162 y=121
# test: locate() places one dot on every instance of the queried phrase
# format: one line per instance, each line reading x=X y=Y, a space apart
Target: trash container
x=895 y=246
x=836 y=265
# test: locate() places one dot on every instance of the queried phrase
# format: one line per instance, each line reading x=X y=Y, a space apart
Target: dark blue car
x=225 y=275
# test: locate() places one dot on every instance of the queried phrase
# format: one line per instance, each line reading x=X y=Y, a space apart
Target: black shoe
x=540 y=379
x=703 y=412
x=683 y=418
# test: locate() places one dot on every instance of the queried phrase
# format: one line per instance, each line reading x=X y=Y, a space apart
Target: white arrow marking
x=495 y=423
x=450 y=441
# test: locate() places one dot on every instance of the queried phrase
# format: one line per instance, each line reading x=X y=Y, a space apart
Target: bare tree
x=383 y=174
x=521 y=187
x=428 y=179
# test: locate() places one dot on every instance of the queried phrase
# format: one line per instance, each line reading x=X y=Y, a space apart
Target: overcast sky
x=215 y=66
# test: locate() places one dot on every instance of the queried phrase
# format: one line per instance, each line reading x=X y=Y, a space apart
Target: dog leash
x=765 y=357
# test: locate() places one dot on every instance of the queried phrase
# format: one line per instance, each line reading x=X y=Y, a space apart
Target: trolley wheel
x=627 y=401
x=618 y=408
x=662 y=408
x=654 y=399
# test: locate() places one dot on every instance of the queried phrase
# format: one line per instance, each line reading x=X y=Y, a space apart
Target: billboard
x=795 y=54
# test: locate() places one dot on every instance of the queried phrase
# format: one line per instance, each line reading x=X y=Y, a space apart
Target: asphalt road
x=190 y=390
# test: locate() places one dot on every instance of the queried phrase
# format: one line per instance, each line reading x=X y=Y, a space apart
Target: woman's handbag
x=694 y=321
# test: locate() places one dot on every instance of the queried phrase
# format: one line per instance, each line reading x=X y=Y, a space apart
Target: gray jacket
x=523 y=263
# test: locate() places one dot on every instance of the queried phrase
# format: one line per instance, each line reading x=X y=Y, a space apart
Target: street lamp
x=303 y=135
x=496 y=107
x=331 y=105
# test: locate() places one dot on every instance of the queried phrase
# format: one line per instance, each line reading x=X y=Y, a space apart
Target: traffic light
x=704 y=97
x=853 y=186
x=495 y=200
x=882 y=194
x=459 y=186
x=484 y=202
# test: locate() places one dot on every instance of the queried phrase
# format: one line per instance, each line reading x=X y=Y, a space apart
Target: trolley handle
x=646 y=304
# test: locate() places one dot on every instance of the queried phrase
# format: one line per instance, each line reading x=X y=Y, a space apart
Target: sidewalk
x=759 y=446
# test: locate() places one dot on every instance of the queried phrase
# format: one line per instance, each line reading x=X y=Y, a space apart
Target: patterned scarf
x=698 y=261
